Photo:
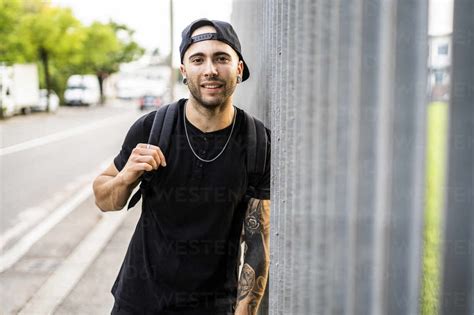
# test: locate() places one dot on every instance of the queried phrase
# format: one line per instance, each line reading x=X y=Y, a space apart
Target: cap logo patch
x=201 y=37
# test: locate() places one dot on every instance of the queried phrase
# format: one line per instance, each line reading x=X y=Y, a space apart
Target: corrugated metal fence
x=342 y=83
x=458 y=277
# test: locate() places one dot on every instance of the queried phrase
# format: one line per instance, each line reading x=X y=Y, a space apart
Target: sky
x=441 y=17
x=150 y=18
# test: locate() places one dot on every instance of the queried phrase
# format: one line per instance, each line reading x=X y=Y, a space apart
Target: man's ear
x=182 y=69
x=240 y=68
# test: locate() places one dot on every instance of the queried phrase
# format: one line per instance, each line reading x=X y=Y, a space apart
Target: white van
x=19 y=89
x=82 y=90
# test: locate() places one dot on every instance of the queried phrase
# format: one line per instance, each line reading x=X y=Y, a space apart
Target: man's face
x=211 y=68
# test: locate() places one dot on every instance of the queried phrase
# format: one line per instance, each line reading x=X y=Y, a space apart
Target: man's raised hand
x=144 y=158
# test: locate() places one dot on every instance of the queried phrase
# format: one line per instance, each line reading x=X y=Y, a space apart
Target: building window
x=443 y=49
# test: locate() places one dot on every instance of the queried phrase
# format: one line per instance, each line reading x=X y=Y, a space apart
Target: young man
x=184 y=254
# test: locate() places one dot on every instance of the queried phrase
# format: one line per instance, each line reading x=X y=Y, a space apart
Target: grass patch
x=436 y=155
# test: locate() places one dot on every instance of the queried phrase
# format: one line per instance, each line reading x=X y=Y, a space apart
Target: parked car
x=82 y=90
x=150 y=101
x=53 y=101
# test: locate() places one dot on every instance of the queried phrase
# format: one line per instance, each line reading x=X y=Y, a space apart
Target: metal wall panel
x=343 y=85
x=458 y=277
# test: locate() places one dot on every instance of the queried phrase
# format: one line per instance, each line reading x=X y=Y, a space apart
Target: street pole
x=173 y=74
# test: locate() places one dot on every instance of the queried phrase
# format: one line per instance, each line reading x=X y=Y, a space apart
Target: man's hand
x=254 y=275
x=113 y=188
x=145 y=157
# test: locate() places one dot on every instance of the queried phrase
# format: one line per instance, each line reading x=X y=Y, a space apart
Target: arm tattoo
x=253 y=278
x=246 y=283
x=253 y=220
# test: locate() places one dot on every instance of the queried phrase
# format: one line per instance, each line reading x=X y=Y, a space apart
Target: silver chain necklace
x=191 y=147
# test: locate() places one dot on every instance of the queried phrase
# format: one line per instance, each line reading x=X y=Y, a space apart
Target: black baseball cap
x=224 y=33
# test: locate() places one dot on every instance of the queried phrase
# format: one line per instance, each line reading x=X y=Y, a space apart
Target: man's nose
x=210 y=70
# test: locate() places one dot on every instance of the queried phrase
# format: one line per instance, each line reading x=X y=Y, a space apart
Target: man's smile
x=212 y=85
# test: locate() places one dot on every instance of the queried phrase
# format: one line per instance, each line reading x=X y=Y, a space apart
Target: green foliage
x=435 y=178
x=54 y=30
x=106 y=46
x=35 y=31
x=9 y=21
x=128 y=50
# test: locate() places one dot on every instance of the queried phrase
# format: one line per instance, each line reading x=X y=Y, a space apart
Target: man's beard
x=215 y=102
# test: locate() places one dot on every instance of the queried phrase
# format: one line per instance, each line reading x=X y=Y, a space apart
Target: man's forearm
x=254 y=275
x=111 y=193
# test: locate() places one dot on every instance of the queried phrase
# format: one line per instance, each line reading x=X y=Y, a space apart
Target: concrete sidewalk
x=28 y=280
x=92 y=294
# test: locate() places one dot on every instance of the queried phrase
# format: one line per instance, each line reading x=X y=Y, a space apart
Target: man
x=184 y=254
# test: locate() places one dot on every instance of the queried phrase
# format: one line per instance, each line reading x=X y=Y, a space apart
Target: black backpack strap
x=160 y=135
x=163 y=125
x=257 y=142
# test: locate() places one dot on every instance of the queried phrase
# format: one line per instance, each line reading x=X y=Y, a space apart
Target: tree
x=36 y=31
x=48 y=34
x=130 y=50
x=10 y=13
x=105 y=47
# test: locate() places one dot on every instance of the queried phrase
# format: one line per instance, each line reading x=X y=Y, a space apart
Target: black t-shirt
x=183 y=253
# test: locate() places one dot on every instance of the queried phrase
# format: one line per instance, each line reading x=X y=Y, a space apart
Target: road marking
x=31 y=216
x=61 y=135
x=64 y=279
x=28 y=218
x=19 y=249
x=11 y=256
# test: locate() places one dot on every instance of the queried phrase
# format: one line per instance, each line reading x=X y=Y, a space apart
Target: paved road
x=45 y=158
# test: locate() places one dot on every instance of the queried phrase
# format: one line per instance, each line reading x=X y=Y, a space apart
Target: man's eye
x=196 y=60
x=222 y=59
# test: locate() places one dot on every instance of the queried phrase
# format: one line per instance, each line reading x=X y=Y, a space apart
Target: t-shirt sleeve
x=262 y=191
x=138 y=133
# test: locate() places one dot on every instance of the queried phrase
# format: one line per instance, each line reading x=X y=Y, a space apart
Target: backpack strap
x=160 y=135
x=257 y=142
